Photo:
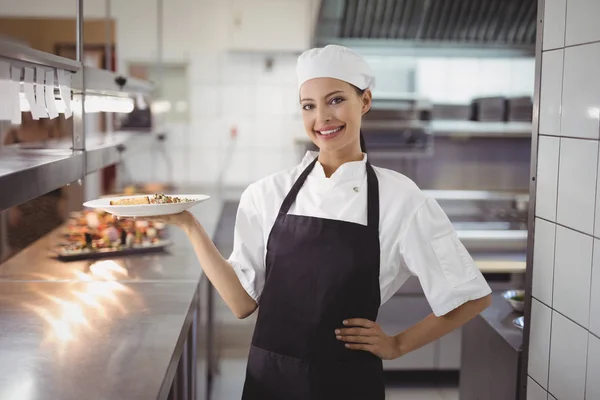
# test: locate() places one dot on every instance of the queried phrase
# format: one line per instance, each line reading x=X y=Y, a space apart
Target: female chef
x=320 y=247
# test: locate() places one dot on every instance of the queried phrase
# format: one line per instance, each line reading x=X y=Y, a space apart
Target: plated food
x=154 y=199
x=145 y=205
x=94 y=234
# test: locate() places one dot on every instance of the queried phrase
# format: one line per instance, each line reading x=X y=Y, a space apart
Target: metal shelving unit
x=26 y=173
x=102 y=151
x=104 y=82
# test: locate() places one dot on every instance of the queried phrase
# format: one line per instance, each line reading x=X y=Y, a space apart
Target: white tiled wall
x=564 y=352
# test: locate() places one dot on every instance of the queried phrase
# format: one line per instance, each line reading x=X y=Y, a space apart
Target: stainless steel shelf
x=104 y=150
x=481 y=129
x=21 y=54
x=27 y=174
x=104 y=82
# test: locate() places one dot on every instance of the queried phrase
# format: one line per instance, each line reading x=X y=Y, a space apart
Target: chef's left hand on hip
x=368 y=336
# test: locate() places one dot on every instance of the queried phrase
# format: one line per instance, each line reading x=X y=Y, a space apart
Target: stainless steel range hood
x=484 y=25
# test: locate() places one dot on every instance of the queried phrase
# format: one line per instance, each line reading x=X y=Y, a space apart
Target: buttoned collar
x=349 y=170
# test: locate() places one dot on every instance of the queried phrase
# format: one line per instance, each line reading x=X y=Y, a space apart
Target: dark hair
x=363 y=146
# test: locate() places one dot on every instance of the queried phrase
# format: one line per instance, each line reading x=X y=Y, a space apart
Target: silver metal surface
x=27 y=175
x=79 y=32
x=104 y=330
x=509 y=23
x=90 y=340
x=532 y=198
x=25 y=55
x=103 y=82
x=482 y=195
x=108 y=56
x=104 y=150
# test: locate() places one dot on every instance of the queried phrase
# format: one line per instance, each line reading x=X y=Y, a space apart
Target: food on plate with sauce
x=154 y=199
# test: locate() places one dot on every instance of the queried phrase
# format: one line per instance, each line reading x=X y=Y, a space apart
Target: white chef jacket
x=415 y=235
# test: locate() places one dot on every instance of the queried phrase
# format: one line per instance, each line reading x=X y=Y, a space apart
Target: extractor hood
x=508 y=25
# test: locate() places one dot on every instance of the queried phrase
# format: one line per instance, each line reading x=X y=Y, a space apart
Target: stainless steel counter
x=94 y=340
x=119 y=328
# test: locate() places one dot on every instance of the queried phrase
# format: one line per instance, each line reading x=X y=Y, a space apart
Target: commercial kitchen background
x=228 y=107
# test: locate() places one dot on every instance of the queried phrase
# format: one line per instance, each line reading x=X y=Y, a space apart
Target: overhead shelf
x=104 y=82
x=481 y=129
x=104 y=150
x=23 y=55
x=27 y=174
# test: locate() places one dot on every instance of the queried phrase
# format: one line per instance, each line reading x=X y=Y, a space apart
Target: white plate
x=145 y=210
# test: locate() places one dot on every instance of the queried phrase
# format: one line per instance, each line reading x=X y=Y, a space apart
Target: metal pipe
x=159 y=42
x=79 y=32
x=108 y=38
x=79 y=125
x=108 y=117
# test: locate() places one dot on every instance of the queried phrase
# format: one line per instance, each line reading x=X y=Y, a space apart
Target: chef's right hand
x=182 y=220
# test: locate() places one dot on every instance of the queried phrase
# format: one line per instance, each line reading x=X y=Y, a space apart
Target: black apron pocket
x=272 y=376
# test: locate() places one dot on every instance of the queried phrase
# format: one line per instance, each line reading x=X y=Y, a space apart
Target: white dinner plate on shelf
x=146 y=210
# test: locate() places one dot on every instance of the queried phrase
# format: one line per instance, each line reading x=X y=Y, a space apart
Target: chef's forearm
x=220 y=272
x=432 y=328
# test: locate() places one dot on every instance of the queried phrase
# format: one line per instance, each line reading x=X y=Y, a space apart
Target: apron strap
x=372 y=194
x=291 y=196
x=372 y=198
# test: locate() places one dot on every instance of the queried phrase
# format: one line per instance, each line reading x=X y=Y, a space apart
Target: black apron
x=319 y=272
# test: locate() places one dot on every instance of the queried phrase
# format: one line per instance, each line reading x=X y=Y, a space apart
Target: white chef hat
x=333 y=61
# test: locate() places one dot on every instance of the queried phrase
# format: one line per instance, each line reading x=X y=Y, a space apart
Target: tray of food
x=94 y=234
x=146 y=206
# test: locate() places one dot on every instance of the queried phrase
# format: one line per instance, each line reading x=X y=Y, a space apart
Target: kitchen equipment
x=519 y=322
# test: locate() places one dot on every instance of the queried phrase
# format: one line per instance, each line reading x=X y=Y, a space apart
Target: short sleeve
x=247 y=257
x=432 y=251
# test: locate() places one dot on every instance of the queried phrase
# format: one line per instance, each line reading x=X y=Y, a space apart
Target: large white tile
x=238 y=100
x=581 y=92
x=543 y=260
x=269 y=100
x=205 y=164
x=572 y=271
x=593 y=369
x=568 y=357
x=205 y=68
x=539 y=345
x=209 y=132
x=535 y=391
x=547 y=177
x=595 y=291
x=205 y=100
x=551 y=92
x=577 y=184
x=240 y=169
x=554 y=23
x=582 y=21
x=270 y=132
x=240 y=68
